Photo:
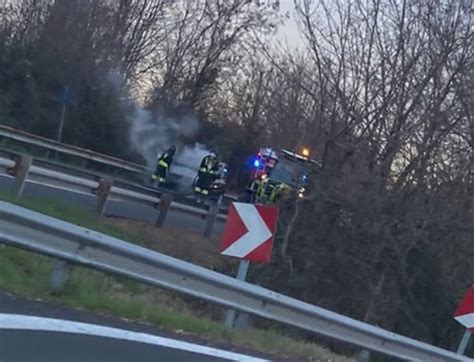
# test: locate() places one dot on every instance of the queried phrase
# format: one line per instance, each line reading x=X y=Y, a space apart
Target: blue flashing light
x=257 y=163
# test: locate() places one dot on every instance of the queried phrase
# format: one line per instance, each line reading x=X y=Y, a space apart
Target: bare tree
x=383 y=90
x=137 y=34
x=203 y=45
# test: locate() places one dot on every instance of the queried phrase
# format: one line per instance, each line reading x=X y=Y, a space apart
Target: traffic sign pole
x=248 y=235
x=241 y=275
x=464 y=342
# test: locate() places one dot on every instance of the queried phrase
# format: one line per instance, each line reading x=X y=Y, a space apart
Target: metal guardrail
x=7 y=157
x=88 y=185
x=52 y=145
x=29 y=230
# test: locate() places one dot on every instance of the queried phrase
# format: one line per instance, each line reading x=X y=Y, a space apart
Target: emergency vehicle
x=279 y=166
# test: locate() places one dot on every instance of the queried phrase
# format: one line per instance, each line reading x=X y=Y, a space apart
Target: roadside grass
x=27 y=274
x=70 y=213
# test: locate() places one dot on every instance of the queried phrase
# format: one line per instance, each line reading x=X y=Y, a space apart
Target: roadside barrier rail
x=36 y=232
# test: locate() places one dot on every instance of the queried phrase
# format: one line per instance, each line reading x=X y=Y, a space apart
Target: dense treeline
x=385 y=94
x=382 y=91
x=170 y=56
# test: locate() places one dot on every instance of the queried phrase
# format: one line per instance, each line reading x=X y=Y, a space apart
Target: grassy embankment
x=27 y=274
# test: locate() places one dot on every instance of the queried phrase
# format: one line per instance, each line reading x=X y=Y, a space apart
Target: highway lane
x=41 y=346
x=118 y=208
x=36 y=331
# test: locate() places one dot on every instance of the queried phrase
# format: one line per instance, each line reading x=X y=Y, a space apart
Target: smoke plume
x=153 y=133
x=151 y=136
x=191 y=156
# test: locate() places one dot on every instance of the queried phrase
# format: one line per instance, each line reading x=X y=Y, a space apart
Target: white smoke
x=190 y=157
x=150 y=136
x=186 y=165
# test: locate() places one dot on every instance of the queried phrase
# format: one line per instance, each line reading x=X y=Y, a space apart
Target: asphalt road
x=41 y=346
x=117 y=208
x=36 y=331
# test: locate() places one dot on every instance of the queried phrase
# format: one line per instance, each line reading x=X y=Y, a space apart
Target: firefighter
x=163 y=164
x=252 y=190
x=206 y=174
x=256 y=189
x=278 y=192
x=213 y=182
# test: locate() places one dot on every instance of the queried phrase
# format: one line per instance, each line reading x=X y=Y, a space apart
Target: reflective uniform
x=256 y=190
x=207 y=173
x=163 y=164
x=252 y=190
x=278 y=192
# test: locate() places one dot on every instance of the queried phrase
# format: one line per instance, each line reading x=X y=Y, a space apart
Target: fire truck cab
x=281 y=166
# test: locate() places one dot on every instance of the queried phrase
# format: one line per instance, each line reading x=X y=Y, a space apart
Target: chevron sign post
x=248 y=235
x=249 y=231
x=464 y=314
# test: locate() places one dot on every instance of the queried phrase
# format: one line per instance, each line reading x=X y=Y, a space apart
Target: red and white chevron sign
x=249 y=232
x=464 y=314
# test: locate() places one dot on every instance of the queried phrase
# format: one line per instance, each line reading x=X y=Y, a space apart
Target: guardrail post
x=165 y=203
x=103 y=191
x=59 y=276
x=20 y=170
x=211 y=217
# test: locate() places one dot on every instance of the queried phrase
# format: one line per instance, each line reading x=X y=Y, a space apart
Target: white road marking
x=33 y=323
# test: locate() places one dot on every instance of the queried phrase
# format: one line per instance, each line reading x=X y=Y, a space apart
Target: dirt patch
x=184 y=245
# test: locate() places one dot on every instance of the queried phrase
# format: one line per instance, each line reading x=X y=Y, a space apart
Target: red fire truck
x=281 y=166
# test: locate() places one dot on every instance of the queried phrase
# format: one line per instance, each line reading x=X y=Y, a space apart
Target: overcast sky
x=289 y=31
